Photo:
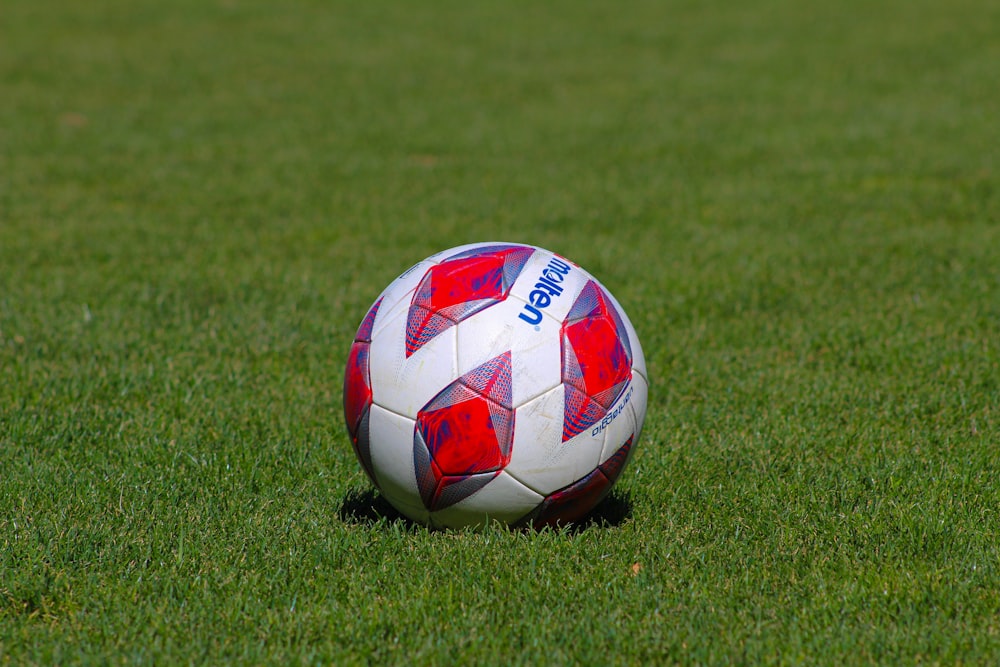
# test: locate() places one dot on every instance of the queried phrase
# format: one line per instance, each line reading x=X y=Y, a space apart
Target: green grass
x=797 y=203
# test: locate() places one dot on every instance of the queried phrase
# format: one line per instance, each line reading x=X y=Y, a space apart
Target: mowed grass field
x=797 y=203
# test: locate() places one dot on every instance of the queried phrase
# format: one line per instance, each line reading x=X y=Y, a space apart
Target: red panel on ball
x=460 y=287
x=463 y=438
x=580 y=412
x=358 y=389
x=459 y=281
x=599 y=358
x=574 y=502
x=357 y=378
x=596 y=359
x=367 y=324
x=466 y=431
x=357 y=386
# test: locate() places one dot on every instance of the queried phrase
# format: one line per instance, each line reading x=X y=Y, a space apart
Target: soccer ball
x=495 y=381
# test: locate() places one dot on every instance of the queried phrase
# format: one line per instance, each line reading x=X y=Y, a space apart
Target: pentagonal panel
x=595 y=360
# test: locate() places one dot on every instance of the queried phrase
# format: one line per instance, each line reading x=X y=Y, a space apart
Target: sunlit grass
x=796 y=204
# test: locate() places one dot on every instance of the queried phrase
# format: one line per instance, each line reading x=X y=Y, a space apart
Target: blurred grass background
x=796 y=203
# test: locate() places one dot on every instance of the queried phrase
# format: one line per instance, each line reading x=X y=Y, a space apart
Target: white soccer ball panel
x=399 y=292
x=535 y=357
x=404 y=384
x=504 y=499
x=548 y=286
x=391 y=438
x=390 y=307
x=539 y=458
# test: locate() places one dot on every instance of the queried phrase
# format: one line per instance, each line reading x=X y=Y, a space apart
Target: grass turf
x=797 y=203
